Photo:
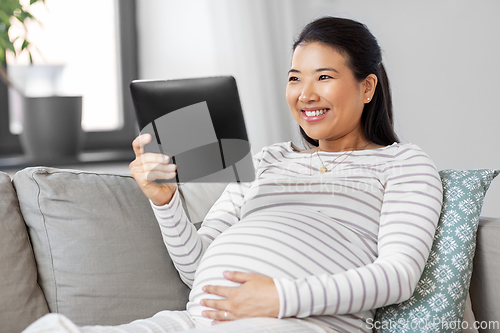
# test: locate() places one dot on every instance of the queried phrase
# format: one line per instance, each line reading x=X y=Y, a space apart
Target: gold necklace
x=324 y=168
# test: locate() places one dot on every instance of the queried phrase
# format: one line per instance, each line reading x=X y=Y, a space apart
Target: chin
x=314 y=134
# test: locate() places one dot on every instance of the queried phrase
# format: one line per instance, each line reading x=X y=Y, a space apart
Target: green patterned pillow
x=438 y=302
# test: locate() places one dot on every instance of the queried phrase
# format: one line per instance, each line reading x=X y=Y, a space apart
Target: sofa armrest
x=21 y=299
x=485 y=285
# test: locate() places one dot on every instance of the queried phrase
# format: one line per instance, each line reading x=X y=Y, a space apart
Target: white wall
x=442 y=57
x=194 y=38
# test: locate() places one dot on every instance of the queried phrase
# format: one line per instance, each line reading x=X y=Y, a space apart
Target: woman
x=326 y=235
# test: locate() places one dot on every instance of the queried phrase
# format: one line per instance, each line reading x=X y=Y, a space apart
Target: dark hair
x=364 y=57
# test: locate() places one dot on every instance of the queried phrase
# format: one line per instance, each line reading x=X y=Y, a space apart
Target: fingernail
x=204 y=288
x=202 y=303
x=226 y=273
x=204 y=314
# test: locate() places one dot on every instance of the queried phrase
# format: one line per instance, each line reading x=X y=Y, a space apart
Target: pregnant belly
x=275 y=245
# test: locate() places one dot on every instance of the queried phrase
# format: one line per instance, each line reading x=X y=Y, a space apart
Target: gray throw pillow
x=99 y=250
x=21 y=299
x=198 y=198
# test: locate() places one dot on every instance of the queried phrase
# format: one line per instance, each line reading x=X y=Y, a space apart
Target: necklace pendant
x=322 y=170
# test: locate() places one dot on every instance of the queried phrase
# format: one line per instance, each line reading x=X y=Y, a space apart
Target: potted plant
x=51 y=123
x=13 y=10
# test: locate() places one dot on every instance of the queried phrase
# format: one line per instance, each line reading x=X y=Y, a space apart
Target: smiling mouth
x=316 y=112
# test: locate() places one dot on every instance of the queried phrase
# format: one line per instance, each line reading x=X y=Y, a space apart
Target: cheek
x=345 y=97
x=337 y=93
x=291 y=95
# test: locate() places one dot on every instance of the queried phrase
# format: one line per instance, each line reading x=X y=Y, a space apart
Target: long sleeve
x=409 y=214
x=185 y=244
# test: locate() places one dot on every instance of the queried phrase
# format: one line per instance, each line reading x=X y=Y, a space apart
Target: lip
x=313 y=118
x=313 y=109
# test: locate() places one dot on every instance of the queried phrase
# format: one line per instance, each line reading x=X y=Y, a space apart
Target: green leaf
x=10 y=46
x=25 y=44
x=12 y=9
x=25 y=15
x=3 y=44
x=5 y=17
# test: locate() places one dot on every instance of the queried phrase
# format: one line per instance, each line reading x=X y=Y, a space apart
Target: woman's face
x=324 y=97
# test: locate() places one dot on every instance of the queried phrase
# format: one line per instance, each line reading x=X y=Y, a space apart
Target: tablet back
x=198 y=123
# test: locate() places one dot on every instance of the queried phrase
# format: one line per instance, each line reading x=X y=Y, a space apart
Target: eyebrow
x=323 y=69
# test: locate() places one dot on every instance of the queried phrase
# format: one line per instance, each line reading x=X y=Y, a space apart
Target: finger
x=152 y=167
x=240 y=277
x=139 y=143
x=153 y=173
x=217 y=304
x=154 y=158
x=161 y=179
x=217 y=290
x=148 y=162
x=220 y=316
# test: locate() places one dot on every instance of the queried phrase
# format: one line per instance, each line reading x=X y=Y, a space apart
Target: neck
x=344 y=144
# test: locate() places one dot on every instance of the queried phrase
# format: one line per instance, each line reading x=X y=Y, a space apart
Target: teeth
x=315 y=113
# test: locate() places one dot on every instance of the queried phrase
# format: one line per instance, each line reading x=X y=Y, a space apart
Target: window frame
x=119 y=139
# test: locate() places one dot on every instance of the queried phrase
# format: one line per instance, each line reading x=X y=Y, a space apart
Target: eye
x=293 y=78
x=324 y=77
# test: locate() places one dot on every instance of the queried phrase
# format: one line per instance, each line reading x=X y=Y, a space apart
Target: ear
x=370 y=83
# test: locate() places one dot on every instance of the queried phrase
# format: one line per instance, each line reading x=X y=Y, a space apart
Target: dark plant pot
x=52 y=127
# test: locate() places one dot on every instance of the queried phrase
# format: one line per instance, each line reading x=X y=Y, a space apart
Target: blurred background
x=442 y=58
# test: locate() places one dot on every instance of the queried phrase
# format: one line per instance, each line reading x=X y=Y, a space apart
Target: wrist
x=165 y=199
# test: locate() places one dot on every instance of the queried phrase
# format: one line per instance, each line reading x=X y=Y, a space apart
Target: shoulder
x=277 y=149
x=274 y=154
x=410 y=161
x=401 y=152
x=408 y=154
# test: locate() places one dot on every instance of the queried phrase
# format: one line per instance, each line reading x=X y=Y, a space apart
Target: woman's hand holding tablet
x=148 y=167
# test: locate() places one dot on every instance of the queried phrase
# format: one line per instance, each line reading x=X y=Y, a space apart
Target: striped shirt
x=338 y=244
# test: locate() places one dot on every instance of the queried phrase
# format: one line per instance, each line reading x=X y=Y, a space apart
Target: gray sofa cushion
x=485 y=289
x=21 y=300
x=198 y=198
x=95 y=237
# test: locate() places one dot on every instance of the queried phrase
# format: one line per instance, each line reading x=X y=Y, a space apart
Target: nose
x=308 y=94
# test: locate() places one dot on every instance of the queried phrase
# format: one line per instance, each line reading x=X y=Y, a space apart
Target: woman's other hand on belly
x=255 y=297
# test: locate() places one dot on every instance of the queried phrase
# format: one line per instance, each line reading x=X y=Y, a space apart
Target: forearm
x=185 y=244
x=352 y=291
x=180 y=236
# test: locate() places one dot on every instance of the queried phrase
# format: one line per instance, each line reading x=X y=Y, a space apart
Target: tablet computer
x=199 y=124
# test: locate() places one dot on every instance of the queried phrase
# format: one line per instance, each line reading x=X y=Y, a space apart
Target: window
x=100 y=52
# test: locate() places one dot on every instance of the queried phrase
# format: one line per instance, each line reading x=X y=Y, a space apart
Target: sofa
x=87 y=245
